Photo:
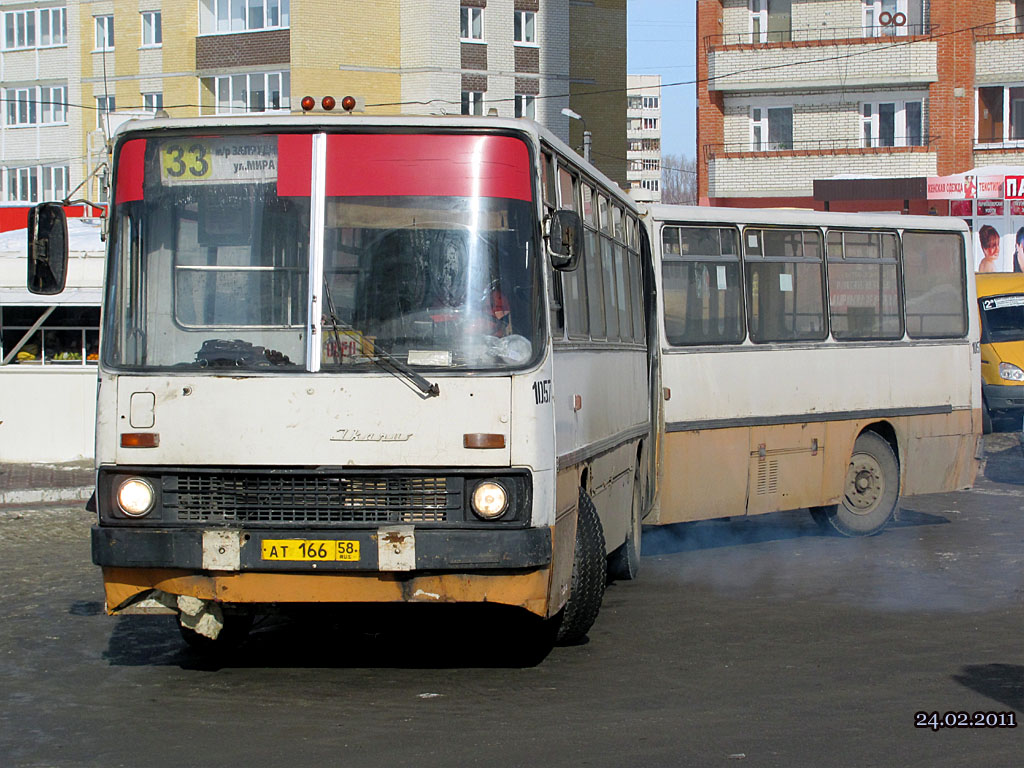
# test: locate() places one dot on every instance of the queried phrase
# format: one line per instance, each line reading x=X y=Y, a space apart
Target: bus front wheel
x=589 y=575
x=871 y=492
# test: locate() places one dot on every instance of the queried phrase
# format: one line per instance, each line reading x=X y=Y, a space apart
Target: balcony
x=819 y=36
x=735 y=170
x=827 y=61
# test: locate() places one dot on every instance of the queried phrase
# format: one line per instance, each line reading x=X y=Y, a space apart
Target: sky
x=662 y=40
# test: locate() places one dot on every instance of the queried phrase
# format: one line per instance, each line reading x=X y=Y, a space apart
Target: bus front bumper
x=1003 y=397
x=399 y=564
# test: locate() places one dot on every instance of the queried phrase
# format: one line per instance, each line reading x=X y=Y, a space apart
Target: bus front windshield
x=429 y=253
x=1002 y=318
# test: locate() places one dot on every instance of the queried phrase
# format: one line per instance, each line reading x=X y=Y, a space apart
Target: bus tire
x=871 y=492
x=589 y=574
x=624 y=562
x=986 y=418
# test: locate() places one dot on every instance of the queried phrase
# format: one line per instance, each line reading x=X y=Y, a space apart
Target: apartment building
x=643 y=137
x=70 y=70
x=853 y=104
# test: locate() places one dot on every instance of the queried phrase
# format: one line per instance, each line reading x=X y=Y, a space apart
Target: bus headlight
x=1010 y=372
x=490 y=501
x=135 y=497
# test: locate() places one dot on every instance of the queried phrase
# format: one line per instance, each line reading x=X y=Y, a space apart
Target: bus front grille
x=306 y=498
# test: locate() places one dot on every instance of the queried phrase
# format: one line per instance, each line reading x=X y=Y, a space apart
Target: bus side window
x=574 y=287
x=785 y=285
x=700 y=275
x=547 y=178
x=636 y=283
x=863 y=285
x=622 y=293
x=611 y=315
x=592 y=265
x=933 y=278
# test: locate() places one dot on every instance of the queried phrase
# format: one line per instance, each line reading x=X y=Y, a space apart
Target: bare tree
x=678 y=180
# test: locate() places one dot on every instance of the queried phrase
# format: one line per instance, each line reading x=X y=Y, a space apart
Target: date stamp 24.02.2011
x=938 y=720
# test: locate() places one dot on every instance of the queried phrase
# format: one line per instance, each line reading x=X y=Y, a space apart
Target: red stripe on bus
x=294 y=164
x=462 y=165
x=131 y=165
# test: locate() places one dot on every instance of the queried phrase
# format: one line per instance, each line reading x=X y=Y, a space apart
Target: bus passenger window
x=863 y=285
x=701 y=284
x=933 y=270
x=611 y=314
x=592 y=264
x=785 y=282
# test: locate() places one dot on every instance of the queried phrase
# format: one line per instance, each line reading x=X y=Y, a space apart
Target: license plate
x=309 y=550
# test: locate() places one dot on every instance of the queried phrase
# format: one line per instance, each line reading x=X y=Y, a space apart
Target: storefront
x=991 y=200
x=48 y=352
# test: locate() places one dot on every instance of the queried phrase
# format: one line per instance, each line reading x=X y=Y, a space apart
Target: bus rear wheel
x=589 y=575
x=871 y=492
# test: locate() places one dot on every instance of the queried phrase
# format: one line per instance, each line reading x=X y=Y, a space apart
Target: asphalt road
x=753 y=642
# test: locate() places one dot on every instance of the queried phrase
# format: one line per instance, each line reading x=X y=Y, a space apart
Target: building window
x=634 y=102
x=24 y=184
x=104 y=33
x=650 y=145
x=1018 y=12
x=471 y=23
x=227 y=16
x=1000 y=114
x=893 y=17
x=36 y=106
x=152 y=102
x=104 y=106
x=525 y=30
x=472 y=103
x=892 y=124
x=152 y=32
x=651 y=102
x=19 y=29
x=770 y=21
x=650 y=123
x=256 y=92
x=652 y=165
x=771 y=129
x=53 y=27
x=68 y=336
x=651 y=185
x=526 y=106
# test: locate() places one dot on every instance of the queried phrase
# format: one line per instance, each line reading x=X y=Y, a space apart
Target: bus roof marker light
x=328 y=103
x=308 y=102
x=348 y=103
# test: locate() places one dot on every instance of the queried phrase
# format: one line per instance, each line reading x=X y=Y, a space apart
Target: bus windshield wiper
x=384 y=359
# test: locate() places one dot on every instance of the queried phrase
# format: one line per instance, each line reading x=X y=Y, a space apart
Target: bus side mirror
x=565 y=239
x=47 y=249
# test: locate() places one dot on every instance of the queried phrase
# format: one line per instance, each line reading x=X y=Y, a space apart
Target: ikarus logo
x=358 y=436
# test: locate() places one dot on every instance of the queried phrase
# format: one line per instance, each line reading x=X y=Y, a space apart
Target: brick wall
x=710 y=105
x=952 y=97
x=249 y=49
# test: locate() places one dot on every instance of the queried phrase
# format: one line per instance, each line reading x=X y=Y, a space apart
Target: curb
x=44 y=496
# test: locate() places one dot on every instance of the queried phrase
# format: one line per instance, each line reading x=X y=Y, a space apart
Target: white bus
x=814 y=360
x=338 y=365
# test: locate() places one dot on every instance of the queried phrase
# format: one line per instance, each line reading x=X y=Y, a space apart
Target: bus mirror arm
x=564 y=234
x=47 y=249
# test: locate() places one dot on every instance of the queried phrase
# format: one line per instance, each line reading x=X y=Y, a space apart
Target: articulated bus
x=339 y=365
x=813 y=360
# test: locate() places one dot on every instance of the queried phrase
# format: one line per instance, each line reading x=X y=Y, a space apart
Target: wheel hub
x=864 y=484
